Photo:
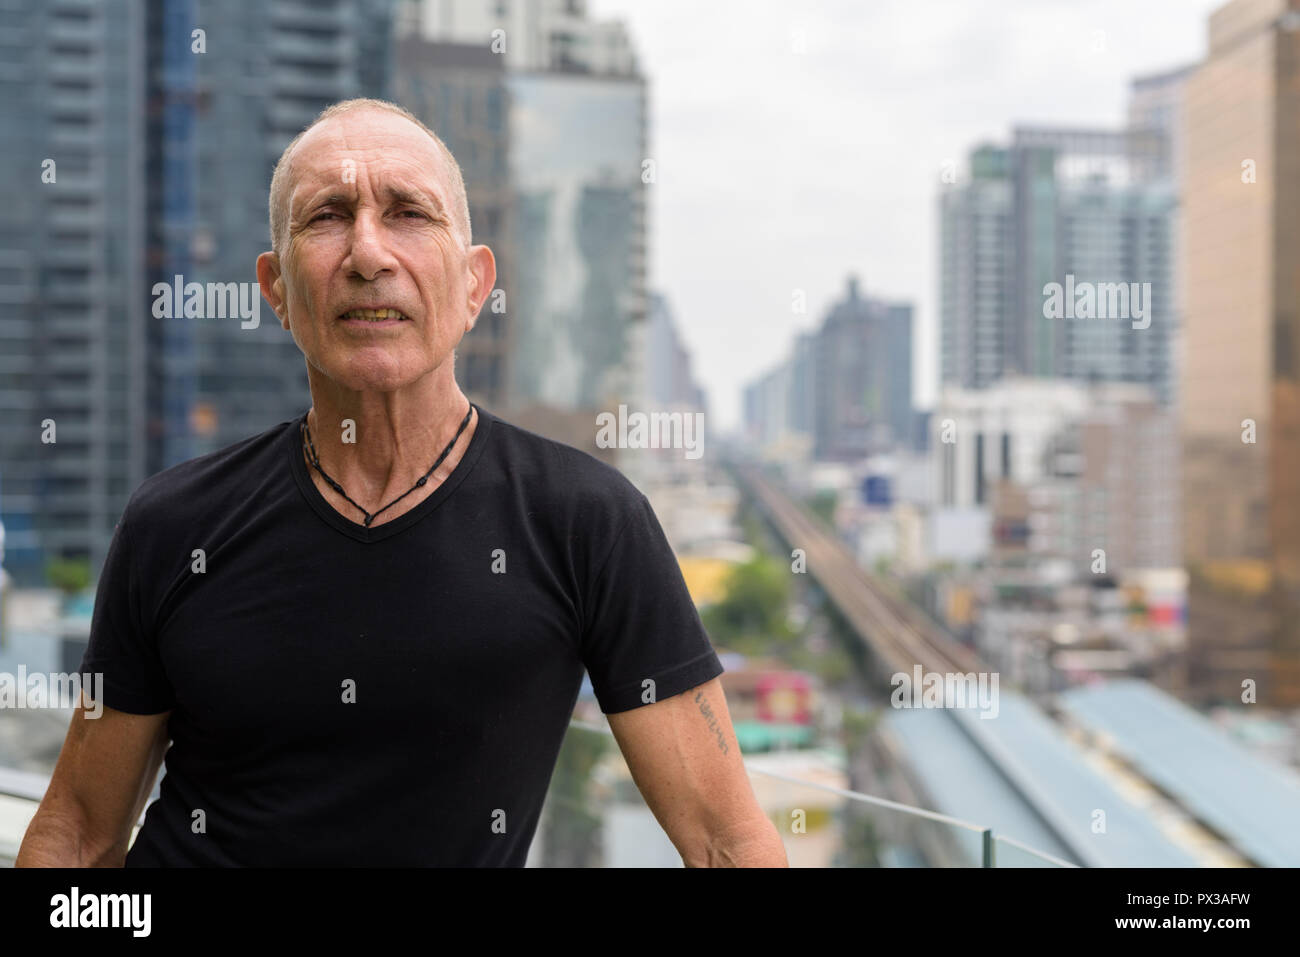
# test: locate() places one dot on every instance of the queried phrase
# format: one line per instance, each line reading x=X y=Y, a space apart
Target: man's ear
x=271 y=281
x=482 y=266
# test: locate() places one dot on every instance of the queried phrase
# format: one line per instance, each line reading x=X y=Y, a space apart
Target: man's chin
x=371 y=370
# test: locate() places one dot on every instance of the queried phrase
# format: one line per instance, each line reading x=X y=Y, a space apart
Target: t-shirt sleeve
x=640 y=622
x=122 y=645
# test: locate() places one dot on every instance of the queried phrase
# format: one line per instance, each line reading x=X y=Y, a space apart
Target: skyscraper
x=670 y=381
x=1156 y=102
x=1241 y=376
x=1059 y=206
x=557 y=35
x=976 y=272
x=74 y=376
x=862 y=390
x=847 y=385
x=578 y=146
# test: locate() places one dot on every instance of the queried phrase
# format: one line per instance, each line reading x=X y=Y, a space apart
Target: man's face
x=371 y=227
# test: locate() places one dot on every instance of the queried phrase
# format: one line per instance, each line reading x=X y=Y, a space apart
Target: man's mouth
x=374 y=315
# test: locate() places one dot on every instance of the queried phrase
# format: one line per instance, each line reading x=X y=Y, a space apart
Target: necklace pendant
x=314 y=459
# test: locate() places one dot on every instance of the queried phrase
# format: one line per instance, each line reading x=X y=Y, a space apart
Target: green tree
x=751 y=615
x=70 y=576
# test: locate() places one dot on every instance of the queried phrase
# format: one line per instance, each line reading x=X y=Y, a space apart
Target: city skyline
x=974 y=81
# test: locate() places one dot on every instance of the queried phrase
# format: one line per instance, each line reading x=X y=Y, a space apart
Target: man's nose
x=369 y=255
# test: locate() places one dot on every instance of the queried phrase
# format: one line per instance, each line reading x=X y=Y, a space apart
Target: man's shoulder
x=201 y=484
x=560 y=471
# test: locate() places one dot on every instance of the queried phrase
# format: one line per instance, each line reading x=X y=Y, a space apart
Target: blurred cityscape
x=1097 y=521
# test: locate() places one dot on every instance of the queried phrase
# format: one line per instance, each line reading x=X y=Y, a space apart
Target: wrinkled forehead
x=383 y=148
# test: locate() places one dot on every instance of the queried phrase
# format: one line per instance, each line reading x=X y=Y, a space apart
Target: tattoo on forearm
x=709 y=716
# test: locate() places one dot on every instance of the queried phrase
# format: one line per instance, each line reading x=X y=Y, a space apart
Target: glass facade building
x=578 y=144
x=73 y=368
x=1093 y=205
x=975 y=272
x=1241 y=356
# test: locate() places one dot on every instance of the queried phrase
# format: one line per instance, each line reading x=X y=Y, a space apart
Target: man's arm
x=100 y=784
x=683 y=756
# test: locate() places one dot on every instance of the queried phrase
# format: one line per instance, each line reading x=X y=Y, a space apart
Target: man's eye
x=320 y=216
x=413 y=212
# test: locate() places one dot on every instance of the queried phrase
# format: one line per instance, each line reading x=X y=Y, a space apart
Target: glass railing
x=594 y=816
x=1008 y=852
x=20 y=793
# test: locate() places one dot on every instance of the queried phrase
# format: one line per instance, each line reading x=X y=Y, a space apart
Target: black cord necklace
x=315 y=461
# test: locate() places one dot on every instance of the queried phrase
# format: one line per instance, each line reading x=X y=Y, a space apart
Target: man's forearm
x=755 y=845
x=53 y=840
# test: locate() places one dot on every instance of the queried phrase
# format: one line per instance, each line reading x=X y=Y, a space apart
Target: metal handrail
x=989 y=838
x=831 y=789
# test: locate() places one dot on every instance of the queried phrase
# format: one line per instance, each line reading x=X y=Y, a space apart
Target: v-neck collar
x=375 y=533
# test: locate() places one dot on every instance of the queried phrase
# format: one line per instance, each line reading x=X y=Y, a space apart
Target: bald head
x=282 y=178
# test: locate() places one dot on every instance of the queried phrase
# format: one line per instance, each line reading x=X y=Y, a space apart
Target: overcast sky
x=780 y=171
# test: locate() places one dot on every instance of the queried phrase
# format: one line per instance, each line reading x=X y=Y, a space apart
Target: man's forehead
x=366 y=130
x=372 y=143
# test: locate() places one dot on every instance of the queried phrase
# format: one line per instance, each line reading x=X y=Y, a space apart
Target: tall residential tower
x=1241 y=375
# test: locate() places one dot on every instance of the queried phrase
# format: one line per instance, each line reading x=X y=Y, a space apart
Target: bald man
x=377 y=656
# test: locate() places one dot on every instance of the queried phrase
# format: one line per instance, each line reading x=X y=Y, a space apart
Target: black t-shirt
x=394 y=695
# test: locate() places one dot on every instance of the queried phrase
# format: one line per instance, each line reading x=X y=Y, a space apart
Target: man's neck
x=376 y=445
